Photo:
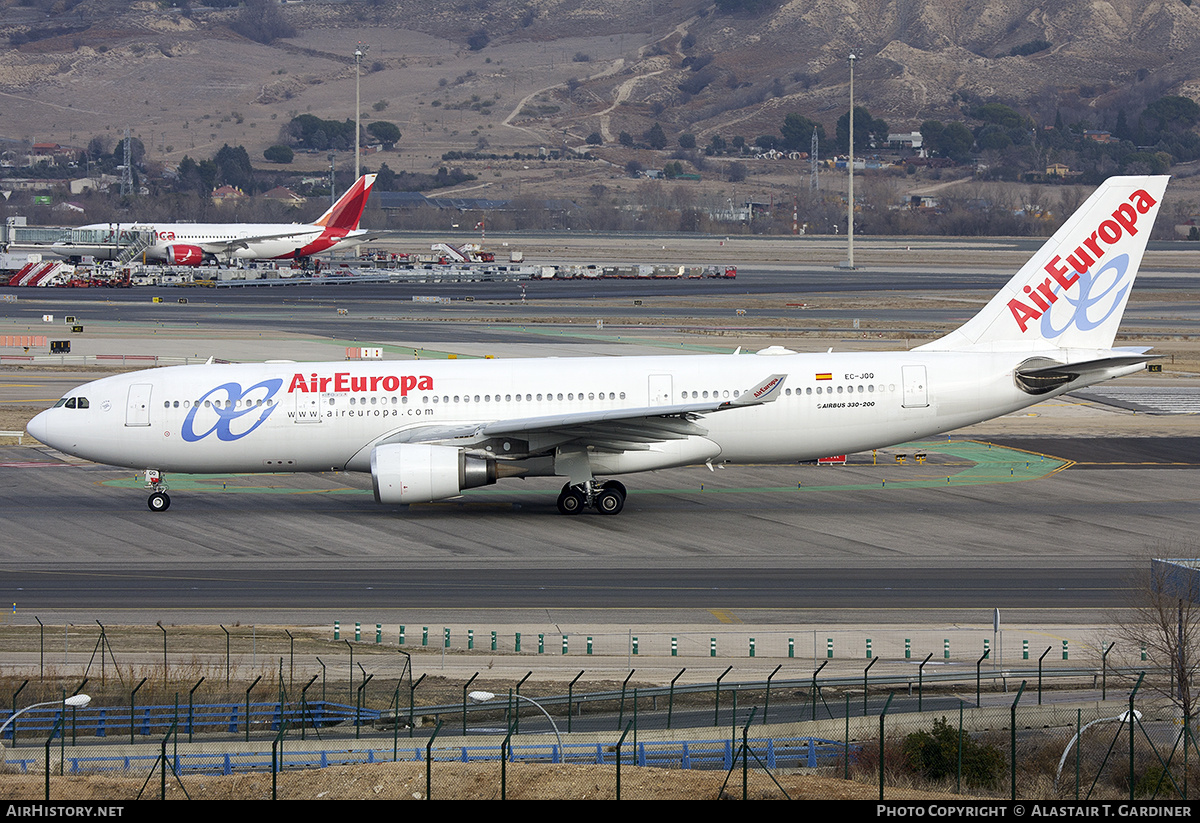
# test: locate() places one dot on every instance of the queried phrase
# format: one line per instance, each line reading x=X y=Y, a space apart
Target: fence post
x=882 y=715
x=620 y=743
x=429 y=761
x=1013 y=737
x=671 y=696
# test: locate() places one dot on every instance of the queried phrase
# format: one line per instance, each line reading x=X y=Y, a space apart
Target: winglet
x=765 y=392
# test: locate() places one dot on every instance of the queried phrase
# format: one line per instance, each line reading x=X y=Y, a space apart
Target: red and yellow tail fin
x=347 y=211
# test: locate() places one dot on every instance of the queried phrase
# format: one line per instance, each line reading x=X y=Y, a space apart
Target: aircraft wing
x=235 y=243
x=631 y=429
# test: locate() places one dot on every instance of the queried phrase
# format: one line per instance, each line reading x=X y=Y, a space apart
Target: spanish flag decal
x=825 y=376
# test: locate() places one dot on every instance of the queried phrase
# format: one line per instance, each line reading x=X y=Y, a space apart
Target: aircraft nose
x=39 y=427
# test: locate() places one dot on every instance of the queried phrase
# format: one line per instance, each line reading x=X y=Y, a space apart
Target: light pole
x=75 y=701
x=487 y=697
x=850 y=169
x=359 y=53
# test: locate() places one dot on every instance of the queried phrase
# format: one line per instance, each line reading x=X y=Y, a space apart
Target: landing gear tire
x=159 y=502
x=610 y=501
x=571 y=500
x=617 y=485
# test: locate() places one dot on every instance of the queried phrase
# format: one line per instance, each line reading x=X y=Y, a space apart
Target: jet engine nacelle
x=182 y=254
x=418 y=473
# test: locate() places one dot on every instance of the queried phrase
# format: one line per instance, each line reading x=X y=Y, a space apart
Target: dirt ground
x=460 y=781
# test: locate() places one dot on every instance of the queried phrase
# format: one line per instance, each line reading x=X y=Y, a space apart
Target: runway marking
x=32 y=464
x=724 y=616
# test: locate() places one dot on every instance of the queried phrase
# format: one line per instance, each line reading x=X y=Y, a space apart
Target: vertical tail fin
x=347 y=211
x=1072 y=293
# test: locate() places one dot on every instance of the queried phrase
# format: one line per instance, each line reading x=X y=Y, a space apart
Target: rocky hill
x=457 y=74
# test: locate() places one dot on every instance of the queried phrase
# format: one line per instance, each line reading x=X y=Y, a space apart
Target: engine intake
x=419 y=473
x=182 y=254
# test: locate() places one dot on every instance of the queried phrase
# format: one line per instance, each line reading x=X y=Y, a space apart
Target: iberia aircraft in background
x=191 y=244
x=428 y=430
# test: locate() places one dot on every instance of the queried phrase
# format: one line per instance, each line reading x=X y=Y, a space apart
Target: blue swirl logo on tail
x=1094 y=290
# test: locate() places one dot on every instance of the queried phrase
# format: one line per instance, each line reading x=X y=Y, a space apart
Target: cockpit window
x=61 y=402
x=70 y=402
x=83 y=403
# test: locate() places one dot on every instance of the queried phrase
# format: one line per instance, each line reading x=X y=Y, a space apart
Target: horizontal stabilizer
x=1039 y=375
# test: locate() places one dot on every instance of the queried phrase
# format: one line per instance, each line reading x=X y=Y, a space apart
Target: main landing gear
x=159 y=500
x=606 y=498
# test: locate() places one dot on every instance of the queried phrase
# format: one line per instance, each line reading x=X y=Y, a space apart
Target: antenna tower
x=814 y=184
x=127 y=175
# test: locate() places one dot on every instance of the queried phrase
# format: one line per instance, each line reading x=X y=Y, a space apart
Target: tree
x=385 y=132
x=233 y=167
x=386 y=179
x=953 y=140
x=279 y=154
x=137 y=151
x=1163 y=618
x=625 y=139
x=478 y=40
x=797 y=131
x=687 y=140
x=655 y=137
x=594 y=139
x=262 y=22
x=867 y=130
x=311 y=132
x=936 y=755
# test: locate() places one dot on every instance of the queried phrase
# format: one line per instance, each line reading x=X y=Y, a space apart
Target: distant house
x=1098 y=135
x=1058 y=170
x=101 y=183
x=228 y=194
x=285 y=196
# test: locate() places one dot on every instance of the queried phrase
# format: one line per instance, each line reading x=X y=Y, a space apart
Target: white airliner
x=191 y=244
x=426 y=431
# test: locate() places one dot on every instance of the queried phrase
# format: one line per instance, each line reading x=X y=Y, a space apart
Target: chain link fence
x=247 y=712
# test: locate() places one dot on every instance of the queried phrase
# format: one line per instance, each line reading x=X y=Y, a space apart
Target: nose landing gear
x=159 y=500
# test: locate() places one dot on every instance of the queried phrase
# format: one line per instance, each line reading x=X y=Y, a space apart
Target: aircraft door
x=137 y=409
x=660 y=389
x=308 y=407
x=916 y=391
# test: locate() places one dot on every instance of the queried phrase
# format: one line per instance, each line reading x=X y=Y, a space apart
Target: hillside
x=514 y=75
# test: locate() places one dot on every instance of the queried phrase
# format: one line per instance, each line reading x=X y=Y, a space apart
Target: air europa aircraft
x=190 y=244
x=426 y=431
